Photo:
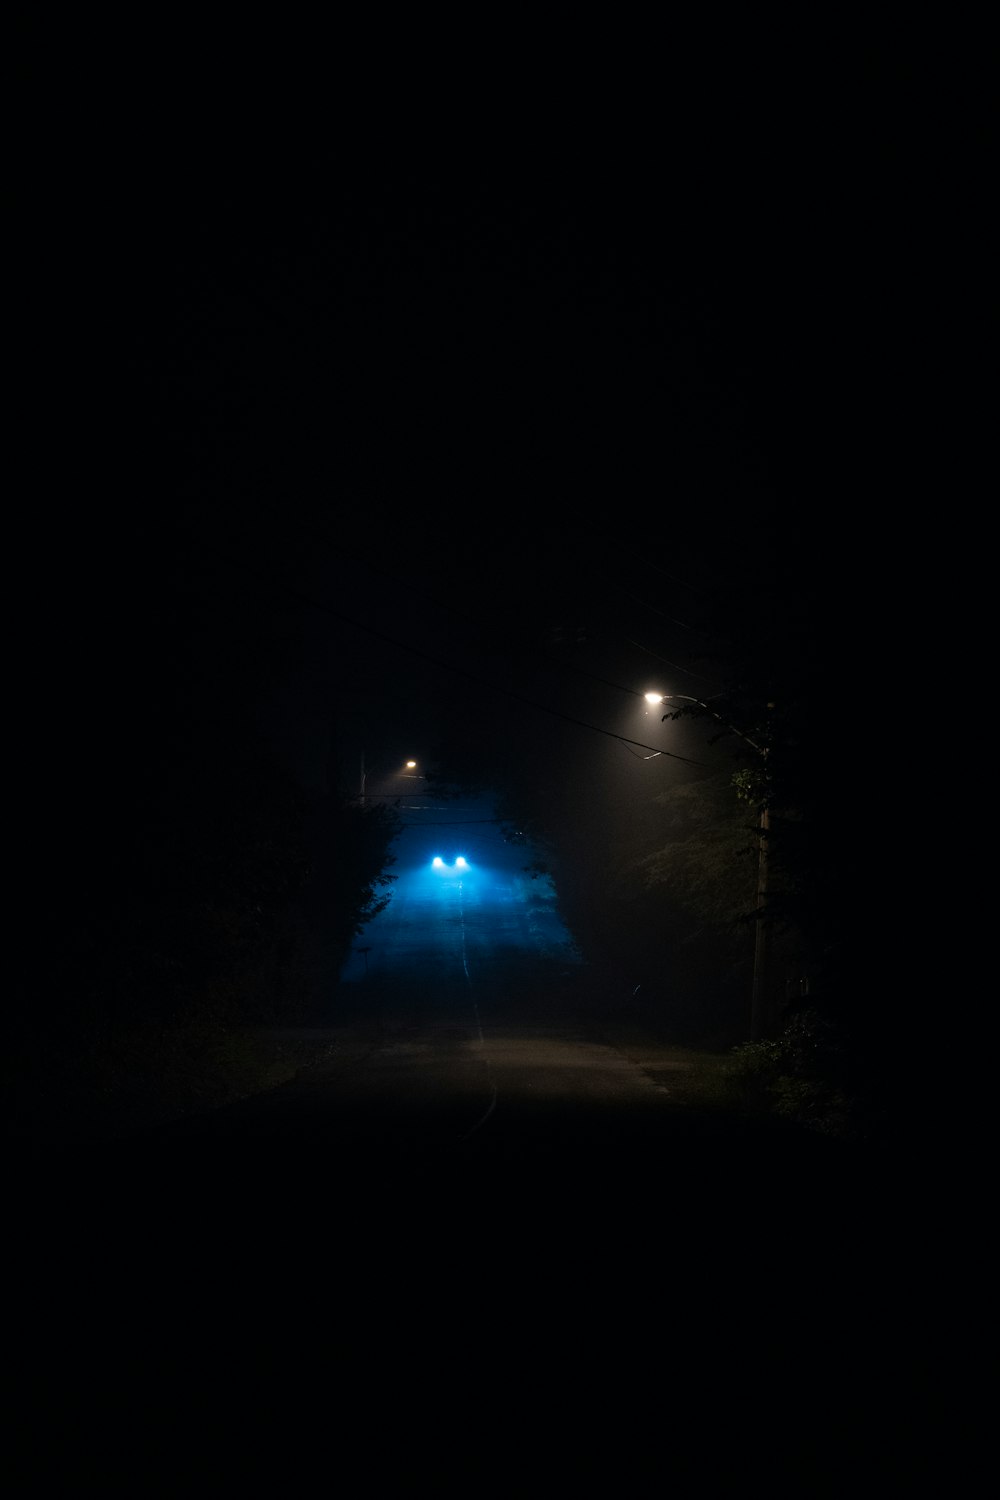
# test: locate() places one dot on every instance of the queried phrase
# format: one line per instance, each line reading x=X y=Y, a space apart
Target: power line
x=462 y=671
x=465 y=614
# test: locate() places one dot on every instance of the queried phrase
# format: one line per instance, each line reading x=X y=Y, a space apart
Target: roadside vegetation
x=218 y=908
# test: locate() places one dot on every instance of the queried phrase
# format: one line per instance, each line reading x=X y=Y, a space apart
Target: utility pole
x=759 y=1012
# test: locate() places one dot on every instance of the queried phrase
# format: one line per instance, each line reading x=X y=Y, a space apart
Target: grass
x=137 y=1080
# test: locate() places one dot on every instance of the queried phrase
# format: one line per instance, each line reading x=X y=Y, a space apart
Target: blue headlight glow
x=450 y=867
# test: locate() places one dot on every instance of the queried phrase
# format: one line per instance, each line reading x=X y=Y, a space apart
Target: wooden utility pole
x=759 y=1013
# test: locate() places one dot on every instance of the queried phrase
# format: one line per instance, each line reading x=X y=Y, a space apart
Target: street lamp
x=758 y=1008
x=409 y=767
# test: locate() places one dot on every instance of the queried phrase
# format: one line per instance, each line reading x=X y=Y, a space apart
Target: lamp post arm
x=669 y=697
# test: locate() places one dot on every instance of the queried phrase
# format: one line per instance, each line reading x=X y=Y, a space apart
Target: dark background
x=498 y=393
x=398 y=449
x=426 y=420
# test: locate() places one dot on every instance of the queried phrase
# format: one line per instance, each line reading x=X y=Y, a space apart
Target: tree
x=349 y=881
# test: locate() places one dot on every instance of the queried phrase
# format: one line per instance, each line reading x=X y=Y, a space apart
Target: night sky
x=448 y=410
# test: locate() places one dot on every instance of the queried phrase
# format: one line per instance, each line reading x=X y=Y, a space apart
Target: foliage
x=750 y=785
x=706 y=854
x=803 y=1076
x=350 y=857
x=191 y=897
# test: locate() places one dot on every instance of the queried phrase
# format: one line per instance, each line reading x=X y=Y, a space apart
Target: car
x=450 y=863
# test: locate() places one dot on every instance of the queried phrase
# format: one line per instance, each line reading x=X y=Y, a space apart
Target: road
x=493 y=1229
x=465 y=1061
